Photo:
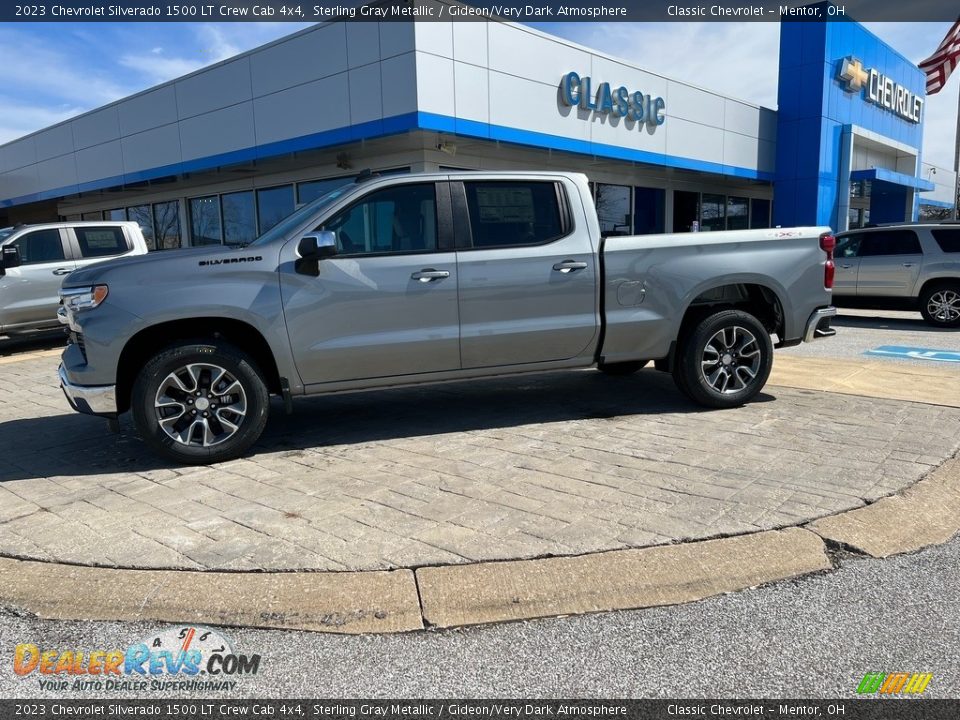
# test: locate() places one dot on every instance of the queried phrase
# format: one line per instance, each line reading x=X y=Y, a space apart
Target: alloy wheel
x=730 y=360
x=200 y=404
x=944 y=306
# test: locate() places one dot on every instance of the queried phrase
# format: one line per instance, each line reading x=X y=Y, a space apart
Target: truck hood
x=185 y=260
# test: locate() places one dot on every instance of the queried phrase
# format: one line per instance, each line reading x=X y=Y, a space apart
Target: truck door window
x=41 y=246
x=508 y=214
x=890 y=242
x=101 y=241
x=400 y=219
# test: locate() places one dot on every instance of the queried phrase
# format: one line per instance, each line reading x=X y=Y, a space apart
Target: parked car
x=36 y=258
x=424 y=278
x=908 y=266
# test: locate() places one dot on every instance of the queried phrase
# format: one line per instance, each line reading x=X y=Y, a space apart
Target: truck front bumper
x=818 y=326
x=89 y=399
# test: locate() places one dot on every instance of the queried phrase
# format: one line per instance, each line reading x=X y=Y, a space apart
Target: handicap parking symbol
x=915 y=353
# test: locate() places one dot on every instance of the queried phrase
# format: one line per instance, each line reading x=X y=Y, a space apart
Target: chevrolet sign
x=880 y=90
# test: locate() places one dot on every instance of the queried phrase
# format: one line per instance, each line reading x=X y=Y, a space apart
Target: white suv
x=909 y=266
x=35 y=258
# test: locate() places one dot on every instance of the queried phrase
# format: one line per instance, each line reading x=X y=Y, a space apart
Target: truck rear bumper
x=819 y=324
x=89 y=399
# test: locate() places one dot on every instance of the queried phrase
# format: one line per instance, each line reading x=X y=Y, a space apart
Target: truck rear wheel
x=724 y=360
x=200 y=402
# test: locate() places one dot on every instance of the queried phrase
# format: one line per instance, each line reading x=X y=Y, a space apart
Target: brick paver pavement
x=560 y=464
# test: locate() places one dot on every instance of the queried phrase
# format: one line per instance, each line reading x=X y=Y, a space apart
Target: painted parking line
x=915 y=353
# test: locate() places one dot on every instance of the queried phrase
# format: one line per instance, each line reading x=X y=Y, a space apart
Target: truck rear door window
x=507 y=214
x=101 y=241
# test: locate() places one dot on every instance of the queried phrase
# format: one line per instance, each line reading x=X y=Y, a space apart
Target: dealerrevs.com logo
x=189 y=658
x=894 y=683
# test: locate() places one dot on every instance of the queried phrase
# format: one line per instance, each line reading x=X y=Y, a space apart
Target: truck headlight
x=83 y=298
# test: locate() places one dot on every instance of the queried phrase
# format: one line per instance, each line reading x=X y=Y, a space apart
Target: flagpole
x=956 y=163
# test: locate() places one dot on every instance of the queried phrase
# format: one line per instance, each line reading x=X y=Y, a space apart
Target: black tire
x=622 y=368
x=738 y=375
x=940 y=304
x=181 y=383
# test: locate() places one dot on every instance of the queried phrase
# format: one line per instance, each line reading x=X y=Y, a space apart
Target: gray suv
x=909 y=266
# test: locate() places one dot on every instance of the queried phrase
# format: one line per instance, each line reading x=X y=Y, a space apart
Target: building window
x=117 y=214
x=713 y=212
x=686 y=211
x=759 y=213
x=310 y=191
x=708 y=211
x=613 y=209
x=648 y=210
x=239 y=218
x=142 y=215
x=96 y=215
x=205 y=225
x=167 y=223
x=738 y=213
x=273 y=205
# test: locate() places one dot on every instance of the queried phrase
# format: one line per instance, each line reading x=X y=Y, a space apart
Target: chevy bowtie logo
x=853 y=74
x=879 y=89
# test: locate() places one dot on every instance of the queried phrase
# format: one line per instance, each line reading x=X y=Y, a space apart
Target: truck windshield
x=5 y=233
x=283 y=228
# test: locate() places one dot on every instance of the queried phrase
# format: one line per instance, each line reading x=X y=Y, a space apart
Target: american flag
x=944 y=61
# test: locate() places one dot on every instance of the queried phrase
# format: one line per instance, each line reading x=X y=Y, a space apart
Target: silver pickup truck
x=35 y=258
x=424 y=278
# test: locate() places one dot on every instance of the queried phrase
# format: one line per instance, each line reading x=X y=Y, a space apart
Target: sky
x=53 y=71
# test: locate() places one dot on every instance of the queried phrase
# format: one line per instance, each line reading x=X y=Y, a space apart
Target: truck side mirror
x=318 y=245
x=312 y=248
x=10 y=257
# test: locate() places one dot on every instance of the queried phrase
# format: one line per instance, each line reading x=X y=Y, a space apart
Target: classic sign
x=576 y=91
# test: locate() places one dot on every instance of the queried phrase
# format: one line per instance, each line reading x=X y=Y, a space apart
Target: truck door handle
x=846 y=267
x=62 y=271
x=569 y=266
x=909 y=264
x=429 y=275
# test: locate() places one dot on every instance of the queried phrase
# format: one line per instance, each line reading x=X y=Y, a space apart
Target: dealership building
x=224 y=153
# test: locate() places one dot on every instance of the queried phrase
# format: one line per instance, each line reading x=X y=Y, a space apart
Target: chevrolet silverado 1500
x=424 y=278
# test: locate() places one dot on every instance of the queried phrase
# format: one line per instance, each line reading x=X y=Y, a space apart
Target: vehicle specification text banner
x=473 y=10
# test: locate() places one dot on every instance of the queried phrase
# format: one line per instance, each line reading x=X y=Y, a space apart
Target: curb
x=450 y=596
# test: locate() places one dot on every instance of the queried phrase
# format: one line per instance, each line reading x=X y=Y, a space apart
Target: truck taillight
x=827 y=244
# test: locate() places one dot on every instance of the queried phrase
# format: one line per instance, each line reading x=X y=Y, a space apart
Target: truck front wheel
x=200 y=402
x=724 y=360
